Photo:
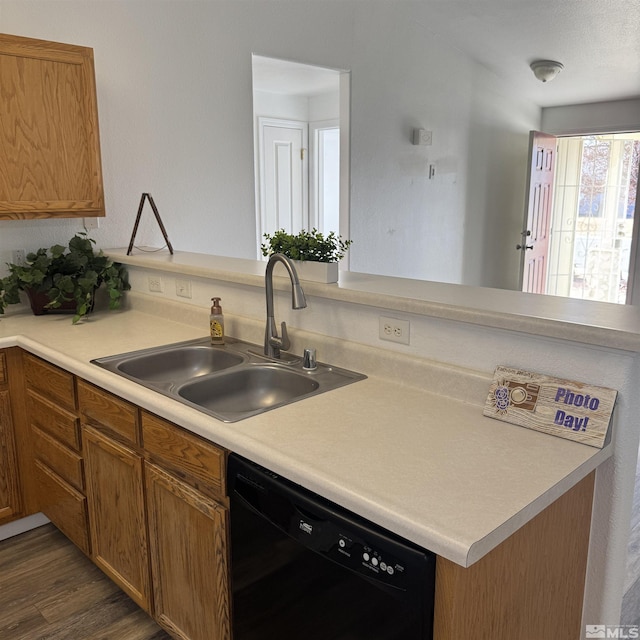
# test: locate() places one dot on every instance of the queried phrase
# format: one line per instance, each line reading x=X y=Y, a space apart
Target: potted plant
x=307 y=249
x=64 y=279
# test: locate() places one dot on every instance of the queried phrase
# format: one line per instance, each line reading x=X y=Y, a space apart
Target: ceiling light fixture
x=546 y=70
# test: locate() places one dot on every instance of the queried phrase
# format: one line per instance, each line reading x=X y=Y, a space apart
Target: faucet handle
x=286 y=343
x=283 y=341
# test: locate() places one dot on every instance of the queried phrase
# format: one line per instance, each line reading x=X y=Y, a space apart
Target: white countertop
x=429 y=468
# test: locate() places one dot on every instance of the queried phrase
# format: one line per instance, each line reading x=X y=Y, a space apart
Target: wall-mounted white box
x=422 y=136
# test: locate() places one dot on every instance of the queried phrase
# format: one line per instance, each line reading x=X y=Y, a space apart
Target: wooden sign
x=564 y=408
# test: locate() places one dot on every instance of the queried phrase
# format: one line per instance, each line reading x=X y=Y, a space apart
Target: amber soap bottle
x=216 y=322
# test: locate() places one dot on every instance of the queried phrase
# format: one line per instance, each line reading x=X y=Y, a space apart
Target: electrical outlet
x=156 y=284
x=183 y=288
x=18 y=256
x=394 y=330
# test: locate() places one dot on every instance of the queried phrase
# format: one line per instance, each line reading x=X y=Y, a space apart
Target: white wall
x=598 y=117
x=174 y=95
x=275 y=105
x=307 y=109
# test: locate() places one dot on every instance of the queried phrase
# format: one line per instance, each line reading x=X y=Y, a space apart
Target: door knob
x=526 y=246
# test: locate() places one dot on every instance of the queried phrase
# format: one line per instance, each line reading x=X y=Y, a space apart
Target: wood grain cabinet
x=529 y=587
x=115 y=490
x=10 y=498
x=187 y=532
x=57 y=449
x=158 y=514
x=117 y=513
x=49 y=140
x=187 y=536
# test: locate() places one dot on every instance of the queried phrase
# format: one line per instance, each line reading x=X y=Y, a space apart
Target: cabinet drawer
x=102 y=409
x=51 y=381
x=4 y=378
x=184 y=453
x=66 y=463
x=63 y=505
x=59 y=423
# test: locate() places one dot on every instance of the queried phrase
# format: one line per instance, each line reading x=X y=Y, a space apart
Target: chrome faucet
x=273 y=343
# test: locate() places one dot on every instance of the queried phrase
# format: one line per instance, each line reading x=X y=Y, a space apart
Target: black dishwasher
x=305 y=568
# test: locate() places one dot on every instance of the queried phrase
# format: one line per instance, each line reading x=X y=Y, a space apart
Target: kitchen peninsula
x=408 y=448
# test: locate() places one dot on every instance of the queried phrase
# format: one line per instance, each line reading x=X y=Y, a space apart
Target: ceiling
x=292 y=78
x=597 y=41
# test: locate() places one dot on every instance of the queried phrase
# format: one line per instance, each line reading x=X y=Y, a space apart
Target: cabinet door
x=50 y=160
x=189 y=563
x=9 y=492
x=113 y=475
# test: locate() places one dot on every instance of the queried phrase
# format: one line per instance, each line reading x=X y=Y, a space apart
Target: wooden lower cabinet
x=54 y=427
x=115 y=494
x=157 y=514
x=529 y=587
x=10 y=498
x=188 y=542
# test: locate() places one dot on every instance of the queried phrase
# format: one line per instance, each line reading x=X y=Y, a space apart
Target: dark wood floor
x=50 y=591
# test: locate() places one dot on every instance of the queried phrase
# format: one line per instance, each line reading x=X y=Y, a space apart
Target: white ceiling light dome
x=546 y=70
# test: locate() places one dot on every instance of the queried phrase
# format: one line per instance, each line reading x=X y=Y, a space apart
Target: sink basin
x=248 y=390
x=179 y=363
x=229 y=382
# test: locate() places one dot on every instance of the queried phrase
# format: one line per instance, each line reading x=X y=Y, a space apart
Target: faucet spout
x=273 y=343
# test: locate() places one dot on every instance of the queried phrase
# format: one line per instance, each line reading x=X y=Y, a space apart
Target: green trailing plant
x=306 y=245
x=66 y=274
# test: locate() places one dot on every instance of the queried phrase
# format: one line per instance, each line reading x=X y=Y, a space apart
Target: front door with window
x=535 y=237
x=593 y=232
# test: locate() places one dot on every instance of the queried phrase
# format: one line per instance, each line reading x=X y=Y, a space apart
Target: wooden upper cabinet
x=49 y=139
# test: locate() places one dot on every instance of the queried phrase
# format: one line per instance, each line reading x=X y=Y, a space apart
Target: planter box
x=39 y=301
x=310 y=271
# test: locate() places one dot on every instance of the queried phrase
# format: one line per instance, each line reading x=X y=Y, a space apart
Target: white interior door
x=283 y=174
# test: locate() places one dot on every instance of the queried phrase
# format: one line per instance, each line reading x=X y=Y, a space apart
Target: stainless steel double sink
x=231 y=381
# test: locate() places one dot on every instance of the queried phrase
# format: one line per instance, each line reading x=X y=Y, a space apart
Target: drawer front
x=184 y=453
x=100 y=408
x=51 y=381
x=4 y=378
x=63 y=505
x=59 y=423
x=66 y=463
